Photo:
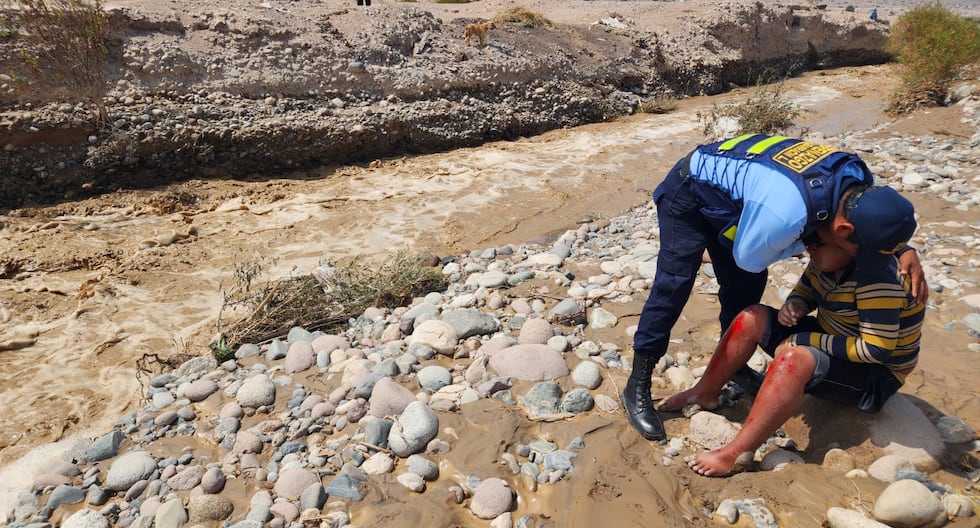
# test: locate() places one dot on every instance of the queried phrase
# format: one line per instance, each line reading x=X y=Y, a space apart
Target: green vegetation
x=658 y=105
x=324 y=300
x=522 y=16
x=766 y=111
x=65 y=44
x=849 y=9
x=933 y=46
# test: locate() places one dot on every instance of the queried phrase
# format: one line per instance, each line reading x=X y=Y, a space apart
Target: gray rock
x=344 y=486
x=247 y=350
x=491 y=498
x=423 y=467
x=471 y=322
x=535 y=332
x=298 y=333
x=170 y=514
x=257 y=391
x=955 y=431
x=85 y=519
x=559 y=460
x=97 y=496
x=187 y=478
x=434 y=377
x=293 y=481
x=564 y=310
x=413 y=429
x=199 y=390
x=542 y=399
x=64 y=494
x=105 y=446
x=196 y=366
x=299 y=357
x=376 y=431
x=587 y=374
x=778 y=458
x=902 y=429
x=329 y=343
x=213 y=481
x=129 y=469
x=577 y=400
x=529 y=363
x=314 y=496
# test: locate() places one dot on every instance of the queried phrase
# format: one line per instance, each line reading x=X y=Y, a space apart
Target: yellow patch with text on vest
x=802 y=156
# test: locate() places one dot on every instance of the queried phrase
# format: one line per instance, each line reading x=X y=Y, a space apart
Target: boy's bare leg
x=734 y=350
x=779 y=398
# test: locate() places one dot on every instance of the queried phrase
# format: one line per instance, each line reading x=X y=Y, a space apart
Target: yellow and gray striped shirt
x=868 y=315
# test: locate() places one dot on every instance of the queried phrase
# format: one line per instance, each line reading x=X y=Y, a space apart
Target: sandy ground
x=111 y=279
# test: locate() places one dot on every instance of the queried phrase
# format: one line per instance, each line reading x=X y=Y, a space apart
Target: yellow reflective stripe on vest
x=730 y=233
x=730 y=144
x=761 y=146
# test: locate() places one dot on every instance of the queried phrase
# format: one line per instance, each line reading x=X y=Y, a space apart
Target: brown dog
x=478 y=30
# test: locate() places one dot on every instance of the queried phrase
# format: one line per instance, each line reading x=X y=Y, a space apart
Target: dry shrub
x=324 y=300
x=65 y=44
x=522 y=16
x=766 y=111
x=933 y=45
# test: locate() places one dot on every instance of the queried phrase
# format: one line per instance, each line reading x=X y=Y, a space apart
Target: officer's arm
x=765 y=237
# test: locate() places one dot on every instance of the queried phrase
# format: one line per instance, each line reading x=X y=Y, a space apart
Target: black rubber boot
x=639 y=403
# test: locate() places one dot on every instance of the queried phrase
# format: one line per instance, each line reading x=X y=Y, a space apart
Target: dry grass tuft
x=324 y=300
x=522 y=16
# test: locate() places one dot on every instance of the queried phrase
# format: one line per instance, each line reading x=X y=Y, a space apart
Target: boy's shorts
x=865 y=385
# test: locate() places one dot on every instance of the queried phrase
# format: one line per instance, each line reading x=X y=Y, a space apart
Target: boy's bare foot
x=689 y=397
x=718 y=463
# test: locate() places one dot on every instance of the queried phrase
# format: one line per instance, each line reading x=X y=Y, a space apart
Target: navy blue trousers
x=684 y=235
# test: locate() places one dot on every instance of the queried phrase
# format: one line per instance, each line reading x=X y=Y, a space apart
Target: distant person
x=750 y=201
x=858 y=349
x=874 y=14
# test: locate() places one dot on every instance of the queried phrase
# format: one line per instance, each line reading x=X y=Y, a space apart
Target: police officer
x=750 y=201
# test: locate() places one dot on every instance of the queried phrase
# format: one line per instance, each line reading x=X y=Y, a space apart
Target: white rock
x=439 y=335
x=908 y=503
x=411 y=481
x=844 y=518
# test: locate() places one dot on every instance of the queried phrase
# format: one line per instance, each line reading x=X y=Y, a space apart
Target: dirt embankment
x=236 y=90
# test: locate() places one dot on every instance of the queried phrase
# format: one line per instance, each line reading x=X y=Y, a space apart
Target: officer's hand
x=909 y=265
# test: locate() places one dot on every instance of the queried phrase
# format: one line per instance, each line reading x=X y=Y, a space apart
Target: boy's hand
x=791 y=312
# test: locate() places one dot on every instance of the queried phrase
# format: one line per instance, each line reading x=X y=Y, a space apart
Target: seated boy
x=858 y=349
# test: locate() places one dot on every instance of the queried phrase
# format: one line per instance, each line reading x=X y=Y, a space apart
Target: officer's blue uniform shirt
x=774 y=212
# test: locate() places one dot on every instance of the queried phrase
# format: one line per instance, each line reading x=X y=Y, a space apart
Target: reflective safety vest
x=813 y=168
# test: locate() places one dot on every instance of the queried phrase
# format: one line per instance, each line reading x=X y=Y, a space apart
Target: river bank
x=198 y=91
